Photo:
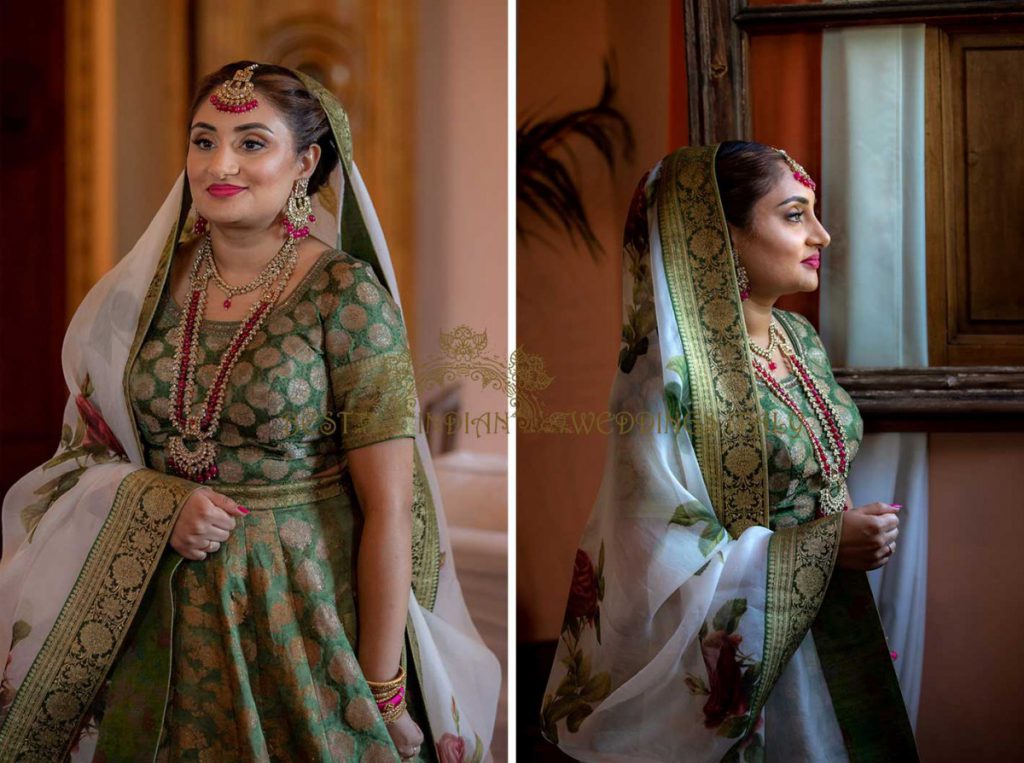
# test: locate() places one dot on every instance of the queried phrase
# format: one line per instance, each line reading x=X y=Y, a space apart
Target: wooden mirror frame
x=933 y=399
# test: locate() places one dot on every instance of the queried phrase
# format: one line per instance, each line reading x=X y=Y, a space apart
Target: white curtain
x=873 y=287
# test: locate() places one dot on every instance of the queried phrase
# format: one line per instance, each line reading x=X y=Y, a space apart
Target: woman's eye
x=796 y=215
x=203 y=143
x=253 y=145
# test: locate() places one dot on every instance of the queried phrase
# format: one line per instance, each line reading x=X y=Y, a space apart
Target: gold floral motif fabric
x=330 y=370
x=264 y=640
x=794 y=475
x=265 y=645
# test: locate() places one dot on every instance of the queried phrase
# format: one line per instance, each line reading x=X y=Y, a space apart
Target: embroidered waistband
x=263 y=497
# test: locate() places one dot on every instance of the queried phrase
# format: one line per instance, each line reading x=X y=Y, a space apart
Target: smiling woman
x=207 y=568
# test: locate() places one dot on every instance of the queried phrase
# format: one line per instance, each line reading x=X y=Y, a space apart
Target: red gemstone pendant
x=772 y=365
x=227 y=303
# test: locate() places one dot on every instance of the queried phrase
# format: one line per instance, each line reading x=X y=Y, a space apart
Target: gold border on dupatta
x=87 y=636
x=800 y=564
x=728 y=425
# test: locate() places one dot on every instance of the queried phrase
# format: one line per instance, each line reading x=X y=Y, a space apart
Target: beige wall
x=461 y=187
x=150 y=97
x=569 y=305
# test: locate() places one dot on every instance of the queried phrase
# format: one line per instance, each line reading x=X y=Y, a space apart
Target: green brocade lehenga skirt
x=262 y=635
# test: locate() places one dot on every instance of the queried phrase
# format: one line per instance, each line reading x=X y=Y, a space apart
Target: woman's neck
x=245 y=251
x=757 y=314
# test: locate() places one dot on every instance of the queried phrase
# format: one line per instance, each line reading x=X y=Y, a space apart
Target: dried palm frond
x=545 y=182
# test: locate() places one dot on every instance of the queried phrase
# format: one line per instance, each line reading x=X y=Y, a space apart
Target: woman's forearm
x=382 y=474
x=384 y=576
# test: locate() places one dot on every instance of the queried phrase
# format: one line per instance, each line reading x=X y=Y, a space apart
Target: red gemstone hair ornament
x=799 y=173
x=237 y=95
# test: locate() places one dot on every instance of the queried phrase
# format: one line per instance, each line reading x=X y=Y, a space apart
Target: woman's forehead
x=264 y=116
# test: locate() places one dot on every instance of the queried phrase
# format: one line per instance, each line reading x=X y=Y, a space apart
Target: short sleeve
x=373 y=390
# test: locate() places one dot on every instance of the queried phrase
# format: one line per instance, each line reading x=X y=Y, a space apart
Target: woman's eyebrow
x=240 y=128
x=801 y=199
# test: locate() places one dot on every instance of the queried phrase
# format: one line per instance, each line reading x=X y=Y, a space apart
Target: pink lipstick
x=222 y=191
x=814 y=261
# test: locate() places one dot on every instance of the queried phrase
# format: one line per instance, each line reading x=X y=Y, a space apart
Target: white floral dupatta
x=686 y=635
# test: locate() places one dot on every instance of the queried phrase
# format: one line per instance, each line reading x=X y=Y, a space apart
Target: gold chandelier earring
x=742 y=279
x=299 y=212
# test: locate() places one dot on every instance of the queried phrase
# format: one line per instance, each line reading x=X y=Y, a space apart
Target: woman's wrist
x=390 y=696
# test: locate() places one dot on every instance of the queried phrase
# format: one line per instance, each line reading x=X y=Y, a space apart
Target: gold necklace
x=269 y=272
x=191 y=453
x=769 y=351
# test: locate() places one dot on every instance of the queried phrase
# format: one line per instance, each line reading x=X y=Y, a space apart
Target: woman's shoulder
x=348 y=273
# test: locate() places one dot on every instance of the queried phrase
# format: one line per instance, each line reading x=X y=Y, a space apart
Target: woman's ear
x=309 y=159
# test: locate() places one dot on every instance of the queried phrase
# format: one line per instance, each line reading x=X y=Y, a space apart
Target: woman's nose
x=223 y=163
x=821 y=237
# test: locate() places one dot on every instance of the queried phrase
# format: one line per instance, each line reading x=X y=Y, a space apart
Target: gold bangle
x=382 y=688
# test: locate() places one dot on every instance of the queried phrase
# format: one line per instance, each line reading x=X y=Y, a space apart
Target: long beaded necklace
x=834 y=471
x=198 y=462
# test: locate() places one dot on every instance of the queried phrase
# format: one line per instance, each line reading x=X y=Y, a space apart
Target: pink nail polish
x=243 y=509
x=896 y=505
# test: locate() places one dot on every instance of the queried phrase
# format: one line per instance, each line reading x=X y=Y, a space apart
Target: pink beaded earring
x=742 y=280
x=200 y=226
x=299 y=212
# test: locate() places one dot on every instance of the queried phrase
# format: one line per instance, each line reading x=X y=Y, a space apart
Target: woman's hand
x=406 y=735
x=204 y=522
x=868 y=538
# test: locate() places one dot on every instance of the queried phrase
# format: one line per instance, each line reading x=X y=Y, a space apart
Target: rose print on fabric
x=451 y=748
x=581 y=689
x=731 y=674
x=91 y=442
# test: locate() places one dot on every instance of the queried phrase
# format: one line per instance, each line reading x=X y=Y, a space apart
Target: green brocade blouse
x=794 y=475
x=329 y=371
x=264 y=634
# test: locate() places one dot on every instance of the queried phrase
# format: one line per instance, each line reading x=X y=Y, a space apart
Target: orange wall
x=568 y=304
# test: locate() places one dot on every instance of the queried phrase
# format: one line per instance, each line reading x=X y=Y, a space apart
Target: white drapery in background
x=873 y=287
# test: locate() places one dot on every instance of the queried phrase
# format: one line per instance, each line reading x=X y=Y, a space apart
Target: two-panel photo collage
x=478 y=381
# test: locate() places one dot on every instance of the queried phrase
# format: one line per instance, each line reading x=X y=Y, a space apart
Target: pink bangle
x=394 y=701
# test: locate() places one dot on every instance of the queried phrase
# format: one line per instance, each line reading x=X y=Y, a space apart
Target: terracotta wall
x=975 y=613
x=568 y=303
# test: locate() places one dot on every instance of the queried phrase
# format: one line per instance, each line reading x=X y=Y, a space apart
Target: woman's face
x=781 y=249
x=241 y=167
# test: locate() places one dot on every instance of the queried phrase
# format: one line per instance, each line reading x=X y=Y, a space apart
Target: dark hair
x=746 y=172
x=298 y=107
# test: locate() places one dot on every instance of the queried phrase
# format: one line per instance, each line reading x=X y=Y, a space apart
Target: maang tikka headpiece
x=798 y=171
x=237 y=95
